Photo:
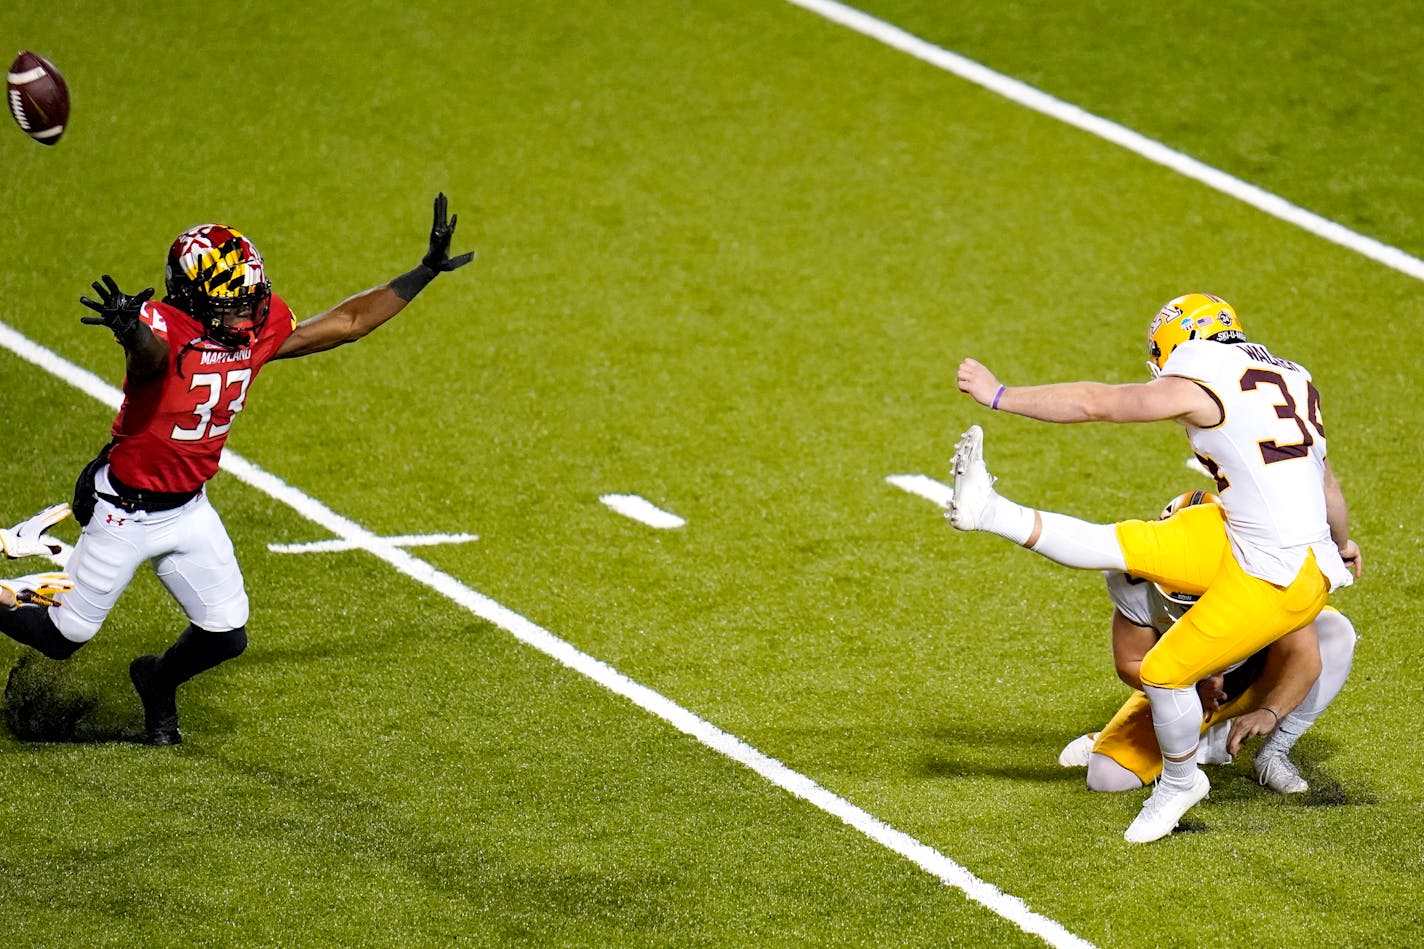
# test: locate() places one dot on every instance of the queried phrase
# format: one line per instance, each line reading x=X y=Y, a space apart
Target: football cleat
x=1278 y=773
x=1190 y=316
x=1075 y=754
x=973 y=485
x=1164 y=809
x=160 y=704
x=217 y=276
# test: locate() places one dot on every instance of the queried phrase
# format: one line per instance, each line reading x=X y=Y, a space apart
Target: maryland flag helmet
x=215 y=274
x=1177 y=602
x=1190 y=316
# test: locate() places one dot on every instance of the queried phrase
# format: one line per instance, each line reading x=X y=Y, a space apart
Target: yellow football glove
x=37 y=589
x=25 y=540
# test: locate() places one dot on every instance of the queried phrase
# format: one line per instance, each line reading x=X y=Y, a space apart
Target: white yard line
x=1199 y=468
x=402 y=540
x=1039 y=101
x=924 y=486
x=927 y=858
x=643 y=511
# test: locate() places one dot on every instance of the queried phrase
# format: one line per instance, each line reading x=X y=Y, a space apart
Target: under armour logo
x=117 y=521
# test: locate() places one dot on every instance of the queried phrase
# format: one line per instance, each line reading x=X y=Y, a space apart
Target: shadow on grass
x=1020 y=752
x=1237 y=782
x=1030 y=753
x=45 y=704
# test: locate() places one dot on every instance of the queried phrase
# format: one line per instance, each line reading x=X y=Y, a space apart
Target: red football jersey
x=171 y=428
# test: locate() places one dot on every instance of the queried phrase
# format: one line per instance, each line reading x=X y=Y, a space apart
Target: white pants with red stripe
x=190 y=552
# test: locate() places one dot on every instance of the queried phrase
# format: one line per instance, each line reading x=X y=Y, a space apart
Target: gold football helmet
x=1190 y=316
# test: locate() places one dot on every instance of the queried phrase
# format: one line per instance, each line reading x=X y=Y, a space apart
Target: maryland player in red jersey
x=190 y=362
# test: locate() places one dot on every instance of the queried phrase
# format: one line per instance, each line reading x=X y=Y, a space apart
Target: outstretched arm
x=145 y=354
x=358 y=316
x=1167 y=397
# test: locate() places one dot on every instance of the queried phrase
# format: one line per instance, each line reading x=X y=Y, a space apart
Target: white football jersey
x=1267 y=455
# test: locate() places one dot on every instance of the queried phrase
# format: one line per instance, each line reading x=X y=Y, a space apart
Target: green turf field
x=730 y=255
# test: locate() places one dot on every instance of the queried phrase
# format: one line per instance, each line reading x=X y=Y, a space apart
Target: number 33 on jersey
x=170 y=433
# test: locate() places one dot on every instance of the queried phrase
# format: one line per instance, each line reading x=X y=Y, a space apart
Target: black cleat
x=160 y=705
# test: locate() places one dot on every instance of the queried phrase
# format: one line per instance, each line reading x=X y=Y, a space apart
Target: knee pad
x=72 y=628
x=1105 y=774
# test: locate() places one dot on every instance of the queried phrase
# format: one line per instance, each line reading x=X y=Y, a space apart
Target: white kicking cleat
x=1279 y=774
x=1075 y=753
x=1212 y=749
x=973 y=485
x=1164 y=810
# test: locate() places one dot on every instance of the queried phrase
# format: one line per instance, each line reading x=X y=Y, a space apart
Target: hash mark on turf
x=402 y=540
x=924 y=486
x=1198 y=467
x=642 y=510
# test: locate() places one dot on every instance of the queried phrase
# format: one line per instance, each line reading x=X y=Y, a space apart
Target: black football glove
x=438 y=257
x=117 y=310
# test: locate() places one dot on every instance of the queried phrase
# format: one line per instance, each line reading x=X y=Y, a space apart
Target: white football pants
x=190 y=552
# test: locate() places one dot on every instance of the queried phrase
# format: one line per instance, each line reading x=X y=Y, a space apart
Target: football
x=39 y=98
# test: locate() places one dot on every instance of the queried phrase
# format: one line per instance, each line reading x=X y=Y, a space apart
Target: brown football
x=39 y=99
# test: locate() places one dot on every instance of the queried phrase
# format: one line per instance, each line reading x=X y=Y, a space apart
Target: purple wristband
x=997 y=396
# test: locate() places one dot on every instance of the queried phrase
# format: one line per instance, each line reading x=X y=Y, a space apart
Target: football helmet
x=1175 y=602
x=1190 y=316
x=216 y=275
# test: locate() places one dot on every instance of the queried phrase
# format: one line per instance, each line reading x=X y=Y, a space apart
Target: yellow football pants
x=1130 y=740
x=1237 y=613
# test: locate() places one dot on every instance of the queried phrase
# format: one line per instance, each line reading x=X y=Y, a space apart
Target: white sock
x=1337 y=652
x=1007 y=519
x=1075 y=543
x=1176 y=718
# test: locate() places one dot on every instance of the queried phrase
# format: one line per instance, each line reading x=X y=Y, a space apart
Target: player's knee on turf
x=1105 y=774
